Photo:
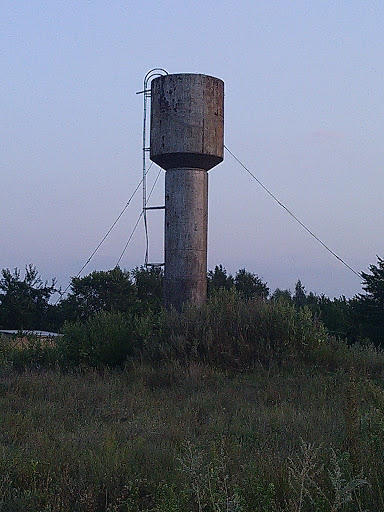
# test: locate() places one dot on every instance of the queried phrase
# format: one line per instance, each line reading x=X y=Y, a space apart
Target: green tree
x=369 y=308
x=110 y=290
x=250 y=285
x=149 y=284
x=334 y=313
x=219 y=279
x=24 y=303
x=282 y=295
x=373 y=283
x=300 y=296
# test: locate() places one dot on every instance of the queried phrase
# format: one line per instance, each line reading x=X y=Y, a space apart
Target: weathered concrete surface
x=187 y=139
x=186 y=224
x=187 y=121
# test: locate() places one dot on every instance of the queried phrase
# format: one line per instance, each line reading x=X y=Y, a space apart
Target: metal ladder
x=147 y=95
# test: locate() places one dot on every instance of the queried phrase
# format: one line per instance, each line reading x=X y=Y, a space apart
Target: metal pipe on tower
x=187 y=139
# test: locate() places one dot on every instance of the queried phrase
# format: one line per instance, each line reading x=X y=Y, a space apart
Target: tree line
x=26 y=301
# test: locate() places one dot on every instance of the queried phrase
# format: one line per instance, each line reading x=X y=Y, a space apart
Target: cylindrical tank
x=187 y=139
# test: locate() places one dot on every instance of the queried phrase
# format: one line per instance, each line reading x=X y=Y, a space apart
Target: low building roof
x=45 y=334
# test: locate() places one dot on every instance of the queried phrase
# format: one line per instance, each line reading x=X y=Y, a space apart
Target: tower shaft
x=186 y=224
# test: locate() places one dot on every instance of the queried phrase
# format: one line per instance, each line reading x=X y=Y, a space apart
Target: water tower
x=187 y=139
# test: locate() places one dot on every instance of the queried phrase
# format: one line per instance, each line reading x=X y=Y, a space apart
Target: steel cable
x=138 y=220
x=292 y=214
x=106 y=235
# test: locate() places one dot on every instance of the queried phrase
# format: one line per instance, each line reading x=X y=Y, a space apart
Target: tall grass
x=190 y=438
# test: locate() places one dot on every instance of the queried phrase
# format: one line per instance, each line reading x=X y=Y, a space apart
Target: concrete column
x=186 y=225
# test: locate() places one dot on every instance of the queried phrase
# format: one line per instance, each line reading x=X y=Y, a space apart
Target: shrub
x=105 y=339
x=232 y=332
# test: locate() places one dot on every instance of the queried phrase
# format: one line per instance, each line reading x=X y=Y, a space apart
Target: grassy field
x=238 y=406
x=292 y=438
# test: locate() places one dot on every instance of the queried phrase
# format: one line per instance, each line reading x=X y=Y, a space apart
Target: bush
x=105 y=339
x=232 y=332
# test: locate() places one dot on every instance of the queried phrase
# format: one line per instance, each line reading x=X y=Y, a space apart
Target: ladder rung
x=154 y=208
x=154 y=264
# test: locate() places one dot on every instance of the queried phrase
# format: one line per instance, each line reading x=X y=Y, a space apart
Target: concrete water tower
x=187 y=139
